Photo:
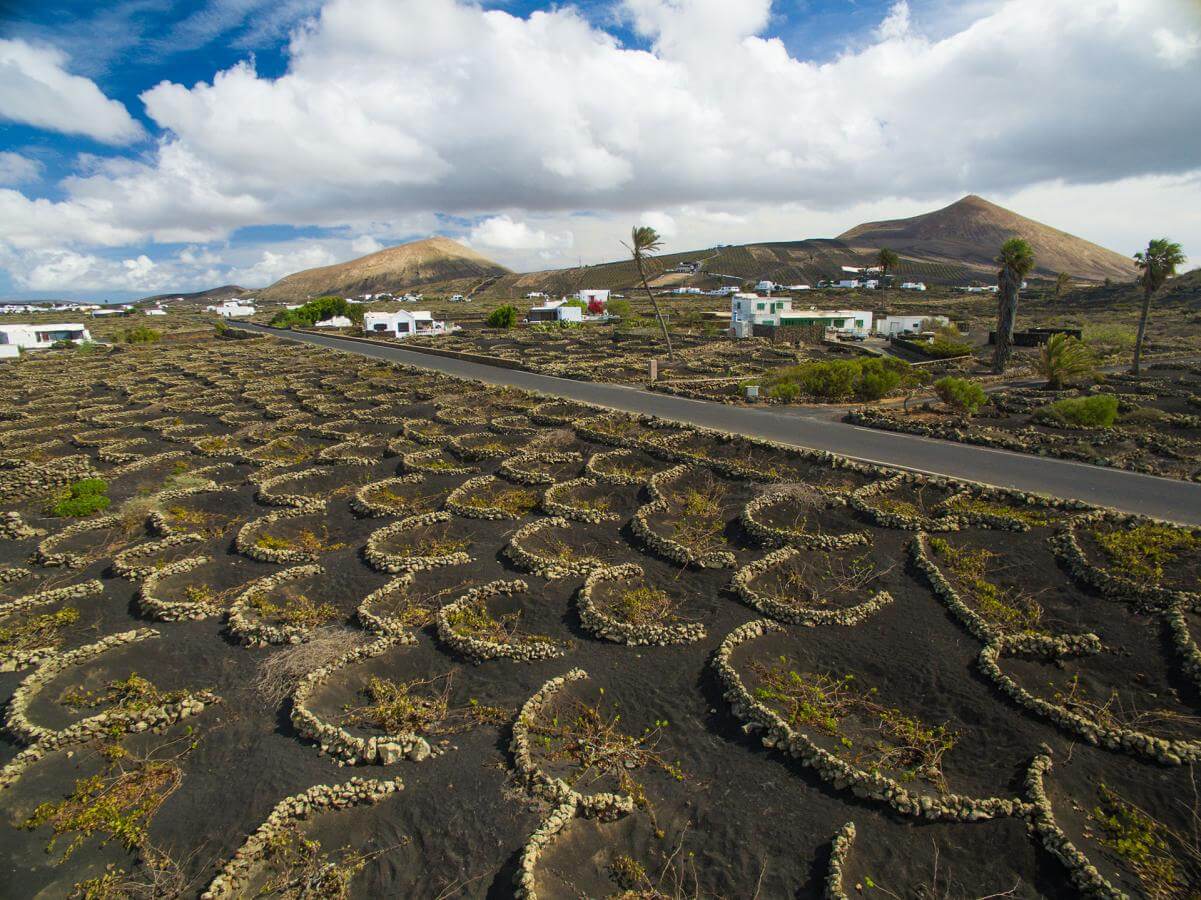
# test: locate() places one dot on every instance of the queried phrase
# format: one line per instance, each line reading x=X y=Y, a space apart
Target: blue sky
x=147 y=145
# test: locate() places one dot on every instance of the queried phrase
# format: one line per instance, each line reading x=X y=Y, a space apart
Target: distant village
x=768 y=308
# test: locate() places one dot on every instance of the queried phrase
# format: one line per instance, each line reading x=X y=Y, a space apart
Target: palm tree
x=1016 y=259
x=1062 y=280
x=644 y=242
x=1158 y=263
x=887 y=260
x=1064 y=360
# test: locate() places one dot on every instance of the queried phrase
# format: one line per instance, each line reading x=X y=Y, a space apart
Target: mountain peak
x=972 y=229
x=432 y=259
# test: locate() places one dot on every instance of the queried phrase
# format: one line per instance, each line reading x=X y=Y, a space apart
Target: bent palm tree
x=1016 y=259
x=1158 y=263
x=644 y=241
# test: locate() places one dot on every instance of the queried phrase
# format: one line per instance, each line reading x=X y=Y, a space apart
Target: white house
x=748 y=310
x=913 y=285
x=155 y=312
x=590 y=294
x=765 y=287
x=334 y=322
x=555 y=311
x=403 y=323
x=231 y=309
x=891 y=326
x=39 y=337
x=797 y=287
x=535 y=295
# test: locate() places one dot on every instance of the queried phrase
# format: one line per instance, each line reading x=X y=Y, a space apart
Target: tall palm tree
x=1158 y=263
x=644 y=242
x=887 y=260
x=1016 y=259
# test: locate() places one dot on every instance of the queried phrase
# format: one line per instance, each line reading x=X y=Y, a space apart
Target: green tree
x=887 y=260
x=1016 y=259
x=1158 y=263
x=644 y=242
x=1064 y=360
x=318 y=310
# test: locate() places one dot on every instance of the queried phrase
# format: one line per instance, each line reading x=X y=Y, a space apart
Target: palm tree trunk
x=1007 y=313
x=1142 y=330
x=658 y=314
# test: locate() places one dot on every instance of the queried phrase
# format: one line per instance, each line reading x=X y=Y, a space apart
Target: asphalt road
x=1162 y=498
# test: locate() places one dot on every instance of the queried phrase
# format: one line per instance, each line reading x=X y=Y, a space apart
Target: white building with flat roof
x=40 y=337
x=555 y=311
x=588 y=294
x=232 y=309
x=891 y=326
x=751 y=309
x=403 y=323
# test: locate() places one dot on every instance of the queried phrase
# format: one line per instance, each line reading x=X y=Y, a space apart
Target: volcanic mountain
x=212 y=295
x=971 y=230
x=435 y=259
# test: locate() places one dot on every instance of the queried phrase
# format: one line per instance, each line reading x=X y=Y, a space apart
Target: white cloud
x=272 y=266
x=18 y=169
x=503 y=233
x=391 y=110
x=896 y=23
x=66 y=270
x=661 y=222
x=36 y=89
x=366 y=244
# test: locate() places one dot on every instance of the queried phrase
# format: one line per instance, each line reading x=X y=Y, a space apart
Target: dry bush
x=279 y=673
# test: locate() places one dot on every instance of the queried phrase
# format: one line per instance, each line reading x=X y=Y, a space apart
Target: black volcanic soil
x=743 y=820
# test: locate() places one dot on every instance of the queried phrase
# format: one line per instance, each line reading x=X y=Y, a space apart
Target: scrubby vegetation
x=875 y=736
x=836 y=380
x=81 y=499
x=298 y=610
x=1009 y=610
x=963 y=396
x=419 y=706
x=1098 y=411
x=1143 y=550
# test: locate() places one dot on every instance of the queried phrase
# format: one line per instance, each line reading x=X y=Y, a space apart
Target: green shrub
x=502 y=317
x=838 y=379
x=62 y=345
x=961 y=395
x=84 y=497
x=942 y=349
x=1098 y=411
x=619 y=308
x=140 y=334
x=786 y=391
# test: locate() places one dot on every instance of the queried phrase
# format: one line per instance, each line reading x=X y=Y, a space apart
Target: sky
x=150 y=146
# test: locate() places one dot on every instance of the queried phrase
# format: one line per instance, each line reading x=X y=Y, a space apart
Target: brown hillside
x=436 y=259
x=212 y=295
x=972 y=229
